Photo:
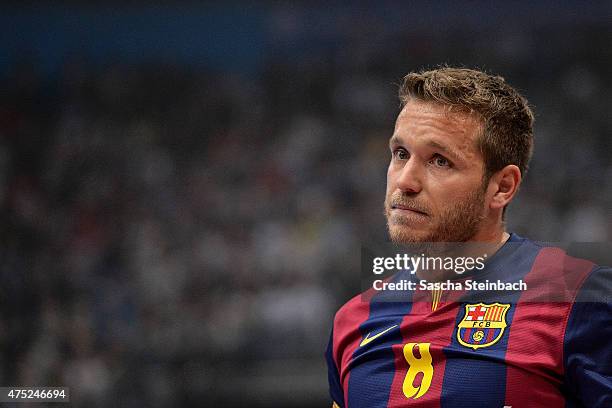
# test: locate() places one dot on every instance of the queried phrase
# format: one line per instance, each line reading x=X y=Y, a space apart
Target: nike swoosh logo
x=369 y=339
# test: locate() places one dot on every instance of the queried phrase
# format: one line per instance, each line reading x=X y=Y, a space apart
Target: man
x=459 y=151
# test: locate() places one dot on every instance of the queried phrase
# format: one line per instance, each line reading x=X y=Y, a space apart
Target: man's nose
x=409 y=179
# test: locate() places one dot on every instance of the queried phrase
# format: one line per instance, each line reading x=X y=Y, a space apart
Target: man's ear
x=504 y=184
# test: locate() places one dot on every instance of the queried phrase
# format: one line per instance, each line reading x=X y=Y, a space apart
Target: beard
x=458 y=222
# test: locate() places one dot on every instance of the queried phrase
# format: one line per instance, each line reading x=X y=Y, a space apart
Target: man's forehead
x=434 y=124
x=456 y=117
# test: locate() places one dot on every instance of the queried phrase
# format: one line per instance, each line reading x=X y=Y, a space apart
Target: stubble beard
x=458 y=222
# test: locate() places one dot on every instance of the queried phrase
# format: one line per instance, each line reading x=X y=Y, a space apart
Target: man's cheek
x=390 y=173
x=390 y=181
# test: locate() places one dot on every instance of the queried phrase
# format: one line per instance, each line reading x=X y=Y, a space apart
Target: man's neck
x=479 y=247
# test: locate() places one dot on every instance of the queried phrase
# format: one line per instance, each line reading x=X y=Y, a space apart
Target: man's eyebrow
x=394 y=141
x=447 y=150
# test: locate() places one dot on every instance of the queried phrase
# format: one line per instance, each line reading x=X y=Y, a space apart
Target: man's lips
x=406 y=208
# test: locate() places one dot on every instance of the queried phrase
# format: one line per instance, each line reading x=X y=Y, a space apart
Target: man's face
x=435 y=188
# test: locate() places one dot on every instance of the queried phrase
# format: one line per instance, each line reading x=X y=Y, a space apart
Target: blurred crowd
x=170 y=233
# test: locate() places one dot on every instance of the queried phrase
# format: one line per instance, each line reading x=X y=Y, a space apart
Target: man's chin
x=404 y=235
x=420 y=243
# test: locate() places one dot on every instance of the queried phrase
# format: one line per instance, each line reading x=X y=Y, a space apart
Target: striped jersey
x=547 y=346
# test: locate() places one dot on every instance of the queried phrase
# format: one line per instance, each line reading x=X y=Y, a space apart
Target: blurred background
x=184 y=189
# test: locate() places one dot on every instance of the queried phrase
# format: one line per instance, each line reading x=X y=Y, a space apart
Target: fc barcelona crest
x=482 y=325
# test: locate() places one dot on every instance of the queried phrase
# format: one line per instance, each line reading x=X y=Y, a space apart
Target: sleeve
x=587 y=344
x=335 y=388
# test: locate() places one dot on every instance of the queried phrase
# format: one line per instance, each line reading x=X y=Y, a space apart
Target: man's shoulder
x=356 y=306
x=565 y=271
x=597 y=286
x=565 y=261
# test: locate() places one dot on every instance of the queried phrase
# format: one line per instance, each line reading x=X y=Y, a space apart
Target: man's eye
x=400 y=154
x=441 y=161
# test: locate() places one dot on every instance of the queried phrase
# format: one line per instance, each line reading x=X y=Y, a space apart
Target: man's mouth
x=403 y=207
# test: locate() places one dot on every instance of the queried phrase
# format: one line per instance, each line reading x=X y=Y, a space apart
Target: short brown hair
x=507 y=136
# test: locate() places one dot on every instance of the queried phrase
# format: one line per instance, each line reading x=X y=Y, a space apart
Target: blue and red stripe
x=468 y=372
x=373 y=365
